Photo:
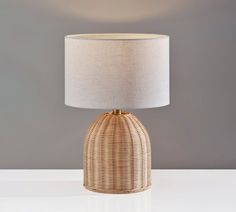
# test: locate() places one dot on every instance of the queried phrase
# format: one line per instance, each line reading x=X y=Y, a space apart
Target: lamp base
x=117 y=154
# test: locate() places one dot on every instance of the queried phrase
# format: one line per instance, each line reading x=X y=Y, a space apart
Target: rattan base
x=118 y=191
x=117 y=155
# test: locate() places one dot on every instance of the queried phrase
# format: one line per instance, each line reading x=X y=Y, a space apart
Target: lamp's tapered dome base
x=117 y=155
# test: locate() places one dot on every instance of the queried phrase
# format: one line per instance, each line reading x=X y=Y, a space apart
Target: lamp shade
x=121 y=70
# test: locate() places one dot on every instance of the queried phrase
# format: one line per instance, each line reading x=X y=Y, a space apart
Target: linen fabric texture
x=116 y=73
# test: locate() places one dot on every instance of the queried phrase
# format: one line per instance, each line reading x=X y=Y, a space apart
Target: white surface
x=117 y=71
x=172 y=191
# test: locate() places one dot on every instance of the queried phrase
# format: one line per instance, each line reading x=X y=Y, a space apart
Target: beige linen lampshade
x=121 y=71
x=116 y=70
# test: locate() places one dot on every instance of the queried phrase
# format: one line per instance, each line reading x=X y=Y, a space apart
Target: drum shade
x=121 y=70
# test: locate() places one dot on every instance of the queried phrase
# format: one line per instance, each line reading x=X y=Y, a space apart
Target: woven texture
x=117 y=155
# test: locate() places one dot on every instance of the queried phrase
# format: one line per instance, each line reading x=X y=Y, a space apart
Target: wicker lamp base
x=117 y=154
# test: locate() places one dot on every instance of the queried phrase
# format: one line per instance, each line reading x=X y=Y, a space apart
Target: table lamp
x=117 y=71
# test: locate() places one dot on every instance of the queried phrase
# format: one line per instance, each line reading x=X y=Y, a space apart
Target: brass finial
x=116 y=111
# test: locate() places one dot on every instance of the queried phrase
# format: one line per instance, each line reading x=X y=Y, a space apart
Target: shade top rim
x=116 y=36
